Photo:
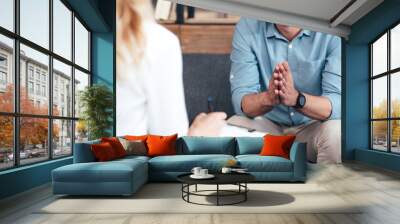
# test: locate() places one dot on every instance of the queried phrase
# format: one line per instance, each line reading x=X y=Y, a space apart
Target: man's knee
x=328 y=142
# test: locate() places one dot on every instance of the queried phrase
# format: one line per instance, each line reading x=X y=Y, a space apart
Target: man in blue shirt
x=292 y=79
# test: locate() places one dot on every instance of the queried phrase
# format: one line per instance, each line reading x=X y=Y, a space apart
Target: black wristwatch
x=300 y=102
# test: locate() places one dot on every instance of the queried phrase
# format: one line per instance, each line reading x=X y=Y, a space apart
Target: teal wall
x=356 y=84
x=103 y=50
x=24 y=178
x=99 y=17
x=103 y=62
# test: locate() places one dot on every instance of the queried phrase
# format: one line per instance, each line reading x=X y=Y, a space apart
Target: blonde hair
x=130 y=37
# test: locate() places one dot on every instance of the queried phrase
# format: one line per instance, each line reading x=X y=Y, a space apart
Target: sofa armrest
x=83 y=152
x=298 y=155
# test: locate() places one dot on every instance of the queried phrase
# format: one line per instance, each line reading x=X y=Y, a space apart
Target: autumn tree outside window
x=44 y=64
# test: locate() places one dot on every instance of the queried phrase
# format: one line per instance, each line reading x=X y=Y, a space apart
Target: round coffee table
x=238 y=179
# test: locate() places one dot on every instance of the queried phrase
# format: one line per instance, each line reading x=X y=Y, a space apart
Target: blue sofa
x=125 y=176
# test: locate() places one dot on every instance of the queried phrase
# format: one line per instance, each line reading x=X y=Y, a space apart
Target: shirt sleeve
x=244 y=75
x=332 y=77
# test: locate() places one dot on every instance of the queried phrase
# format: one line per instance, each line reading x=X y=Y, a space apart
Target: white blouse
x=150 y=96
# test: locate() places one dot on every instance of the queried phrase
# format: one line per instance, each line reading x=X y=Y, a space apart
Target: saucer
x=208 y=176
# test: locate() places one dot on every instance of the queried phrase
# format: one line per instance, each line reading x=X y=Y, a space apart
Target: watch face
x=302 y=100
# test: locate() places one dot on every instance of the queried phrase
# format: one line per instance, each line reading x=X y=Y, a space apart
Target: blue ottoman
x=118 y=177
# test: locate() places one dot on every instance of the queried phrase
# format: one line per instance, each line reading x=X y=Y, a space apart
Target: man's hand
x=257 y=104
x=272 y=93
x=284 y=85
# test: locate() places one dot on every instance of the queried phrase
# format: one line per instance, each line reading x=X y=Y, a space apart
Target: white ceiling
x=329 y=16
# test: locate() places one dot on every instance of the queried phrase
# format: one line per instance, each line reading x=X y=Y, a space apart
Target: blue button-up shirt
x=314 y=59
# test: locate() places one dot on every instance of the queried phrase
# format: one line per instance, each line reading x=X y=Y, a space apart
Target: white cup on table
x=196 y=171
x=203 y=172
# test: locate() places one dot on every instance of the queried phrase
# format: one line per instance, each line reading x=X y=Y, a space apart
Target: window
x=3 y=61
x=3 y=72
x=3 y=78
x=81 y=81
x=385 y=94
x=62 y=29
x=35 y=21
x=81 y=45
x=61 y=74
x=62 y=137
x=7 y=14
x=38 y=74
x=6 y=73
x=37 y=89
x=44 y=91
x=30 y=87
x=40 y=129
x=30 y=72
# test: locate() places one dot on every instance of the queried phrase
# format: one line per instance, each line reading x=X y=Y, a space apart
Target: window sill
x=30 y=166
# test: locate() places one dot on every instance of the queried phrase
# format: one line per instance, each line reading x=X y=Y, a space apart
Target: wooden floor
x=351 y=181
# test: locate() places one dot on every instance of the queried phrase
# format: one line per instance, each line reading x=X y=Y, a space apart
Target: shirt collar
x=271 y=31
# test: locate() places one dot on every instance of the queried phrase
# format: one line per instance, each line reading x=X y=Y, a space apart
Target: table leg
x=188 y=190
x=245 y=193
x=217 y=194
x=196 y=187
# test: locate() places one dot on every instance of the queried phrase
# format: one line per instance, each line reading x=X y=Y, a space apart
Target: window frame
x=16 y=115
x=388 y=74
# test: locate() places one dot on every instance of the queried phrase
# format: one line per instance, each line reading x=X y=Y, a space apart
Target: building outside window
x=3 y=61
x=38 y=89
x=37 y=74
x=30 y=72
x=3 y=72
x=43 y=90
x=3 y=77
x=30 y=87
x=44 y=77
x=56 y=128
x=385 y=91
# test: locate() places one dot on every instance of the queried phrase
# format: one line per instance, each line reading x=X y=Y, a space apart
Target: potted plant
x=96 y=104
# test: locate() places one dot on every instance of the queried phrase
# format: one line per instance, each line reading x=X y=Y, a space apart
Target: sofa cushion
x=277 y=145
x=190 y=145
x=103 y=152
x=185 y=163
x=135 y=147
x=161 y=145
x=257 y=163
x=249 y=145
x=112 y=171
x=116 y=145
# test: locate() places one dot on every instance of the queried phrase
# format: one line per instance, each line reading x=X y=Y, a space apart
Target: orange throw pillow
x=277 y=145
x=116 y=145
x=103 y=152
x=161 y=145
x=136 y=138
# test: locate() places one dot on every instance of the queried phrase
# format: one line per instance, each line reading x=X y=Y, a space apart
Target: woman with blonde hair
x=150 y=95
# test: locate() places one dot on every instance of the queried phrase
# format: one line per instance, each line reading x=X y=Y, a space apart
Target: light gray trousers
x=323 y=138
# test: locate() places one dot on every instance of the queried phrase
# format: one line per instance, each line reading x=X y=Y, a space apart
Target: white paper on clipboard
x=239 y=126
x=257 y=124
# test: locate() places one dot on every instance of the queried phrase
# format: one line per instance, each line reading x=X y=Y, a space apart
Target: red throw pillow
x=161 y=145
x=103 y=152
x=116 y=145
x=277 y=145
